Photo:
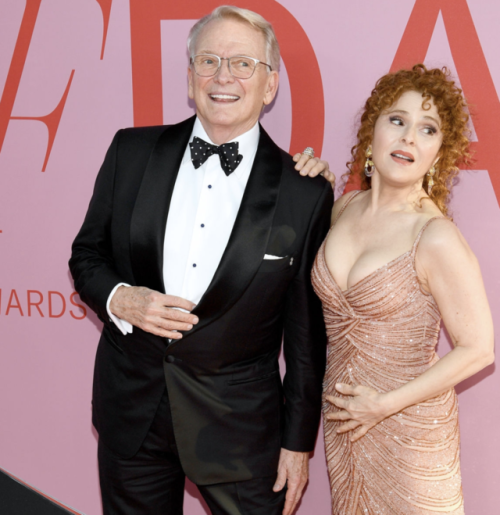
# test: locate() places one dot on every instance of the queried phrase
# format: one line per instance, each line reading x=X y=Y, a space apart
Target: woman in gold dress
x=392 y=265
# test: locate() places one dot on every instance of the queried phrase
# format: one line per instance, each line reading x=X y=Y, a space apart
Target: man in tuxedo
x=196 y=253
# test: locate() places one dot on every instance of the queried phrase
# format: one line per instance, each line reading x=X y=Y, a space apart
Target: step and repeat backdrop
x=72 y=72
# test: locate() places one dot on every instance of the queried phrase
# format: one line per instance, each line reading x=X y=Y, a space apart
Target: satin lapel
x=248 y=241
x=149 y=217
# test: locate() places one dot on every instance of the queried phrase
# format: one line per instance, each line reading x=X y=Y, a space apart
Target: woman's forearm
x=456 y=366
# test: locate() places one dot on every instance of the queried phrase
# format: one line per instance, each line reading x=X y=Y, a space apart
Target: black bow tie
x=228 y=154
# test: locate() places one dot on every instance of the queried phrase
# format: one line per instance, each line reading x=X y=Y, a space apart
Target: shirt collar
x=248 y=141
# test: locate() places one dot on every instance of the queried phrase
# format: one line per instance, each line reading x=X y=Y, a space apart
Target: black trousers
x=152 y=482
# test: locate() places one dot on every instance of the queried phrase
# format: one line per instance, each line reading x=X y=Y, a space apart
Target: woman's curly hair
x=434 y=84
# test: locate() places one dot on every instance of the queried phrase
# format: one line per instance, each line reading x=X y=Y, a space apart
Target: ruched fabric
x=382 y=333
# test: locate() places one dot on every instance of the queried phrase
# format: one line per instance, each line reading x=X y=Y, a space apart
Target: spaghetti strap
x=342 y=209
x=421 y=232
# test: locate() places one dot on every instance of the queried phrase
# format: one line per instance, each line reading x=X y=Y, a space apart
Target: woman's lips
x=401 y=157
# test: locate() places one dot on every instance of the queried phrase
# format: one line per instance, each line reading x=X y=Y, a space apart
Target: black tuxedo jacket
x=230 y=410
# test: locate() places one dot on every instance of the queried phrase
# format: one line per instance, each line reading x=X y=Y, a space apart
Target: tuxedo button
x=170 y=359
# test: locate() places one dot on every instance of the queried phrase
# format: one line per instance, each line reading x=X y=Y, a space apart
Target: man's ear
x=190 y=83
x=271 y=87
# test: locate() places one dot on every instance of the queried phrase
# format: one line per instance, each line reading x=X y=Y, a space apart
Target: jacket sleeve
x=91 y=263
x=305 y=340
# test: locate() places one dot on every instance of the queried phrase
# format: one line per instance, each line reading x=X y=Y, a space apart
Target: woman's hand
x=364 y=410
x=313 y=166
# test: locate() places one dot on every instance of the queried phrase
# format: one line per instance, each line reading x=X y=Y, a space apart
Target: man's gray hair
x=225 y=12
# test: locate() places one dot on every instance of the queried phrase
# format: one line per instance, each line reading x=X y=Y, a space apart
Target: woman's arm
x=448 y=270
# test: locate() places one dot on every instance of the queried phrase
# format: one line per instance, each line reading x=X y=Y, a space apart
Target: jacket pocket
x=274 y=266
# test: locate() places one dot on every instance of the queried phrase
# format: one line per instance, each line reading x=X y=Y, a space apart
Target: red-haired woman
x=392 y=265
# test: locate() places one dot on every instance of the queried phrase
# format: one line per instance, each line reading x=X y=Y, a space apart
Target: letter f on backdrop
x=14 y=75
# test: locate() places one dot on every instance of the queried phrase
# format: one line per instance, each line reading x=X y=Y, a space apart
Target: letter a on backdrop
x=472 y=70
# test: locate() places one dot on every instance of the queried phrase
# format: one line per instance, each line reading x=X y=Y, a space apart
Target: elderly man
x=196 y=253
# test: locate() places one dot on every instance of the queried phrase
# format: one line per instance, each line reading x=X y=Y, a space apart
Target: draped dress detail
x=382 y=333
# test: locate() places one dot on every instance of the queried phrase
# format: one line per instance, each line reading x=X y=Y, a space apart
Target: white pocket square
x=269 y=256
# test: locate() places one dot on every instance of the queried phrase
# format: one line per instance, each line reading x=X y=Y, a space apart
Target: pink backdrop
x=48 y=342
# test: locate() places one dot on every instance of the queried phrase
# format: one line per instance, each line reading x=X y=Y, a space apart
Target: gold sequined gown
x=382 y=332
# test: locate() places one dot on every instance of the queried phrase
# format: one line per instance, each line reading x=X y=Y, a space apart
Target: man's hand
x=152 y=311
x=293 y=470
x=312 y=166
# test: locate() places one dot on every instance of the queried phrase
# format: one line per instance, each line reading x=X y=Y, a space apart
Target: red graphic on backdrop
x=472 y=70
x=51 y=120
x=105 y=6
x=9 y=94
x=471 y=67
x=55 y=307
x=296 y=49
x=299 y=56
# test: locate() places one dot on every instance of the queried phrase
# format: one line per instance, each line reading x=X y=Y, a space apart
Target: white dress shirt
x=202 y=213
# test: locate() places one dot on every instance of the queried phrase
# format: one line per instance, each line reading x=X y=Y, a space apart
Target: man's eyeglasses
x=240 y=66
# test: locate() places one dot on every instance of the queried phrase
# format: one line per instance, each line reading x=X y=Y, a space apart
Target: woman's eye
x=430 y=130
x=396 y=120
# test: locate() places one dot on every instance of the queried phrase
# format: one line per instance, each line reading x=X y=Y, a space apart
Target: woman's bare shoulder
x=341 y=202
x=442 y=241
x=443 y=255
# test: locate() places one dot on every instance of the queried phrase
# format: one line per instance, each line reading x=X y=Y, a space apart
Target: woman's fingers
x=359 y=433
x=330 y=177
x=337 y=401
x=346 y=389
x=349 y=426
x=302 y=161
x=308 y=165
x=339 y=415
x=360 y=406
x=317 y=168
x=313 y=166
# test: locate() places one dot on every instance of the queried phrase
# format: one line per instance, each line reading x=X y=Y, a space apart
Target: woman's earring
x=430 y=180
x=369 y=164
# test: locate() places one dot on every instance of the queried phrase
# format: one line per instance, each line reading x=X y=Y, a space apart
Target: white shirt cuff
x=124 y=326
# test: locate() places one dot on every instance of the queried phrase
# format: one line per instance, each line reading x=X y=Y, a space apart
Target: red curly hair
x=435 y=85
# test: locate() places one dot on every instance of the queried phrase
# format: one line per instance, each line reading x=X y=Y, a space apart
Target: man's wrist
x=124 y=326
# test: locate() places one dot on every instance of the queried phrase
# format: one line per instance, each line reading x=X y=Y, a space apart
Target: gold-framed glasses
x=240 y=66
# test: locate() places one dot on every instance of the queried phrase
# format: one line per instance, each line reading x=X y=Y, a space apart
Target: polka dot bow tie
x=228 y=154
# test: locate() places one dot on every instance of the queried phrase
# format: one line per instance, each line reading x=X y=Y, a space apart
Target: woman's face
x=406 y=140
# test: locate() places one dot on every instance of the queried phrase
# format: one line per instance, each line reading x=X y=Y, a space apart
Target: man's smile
x=223 y=98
